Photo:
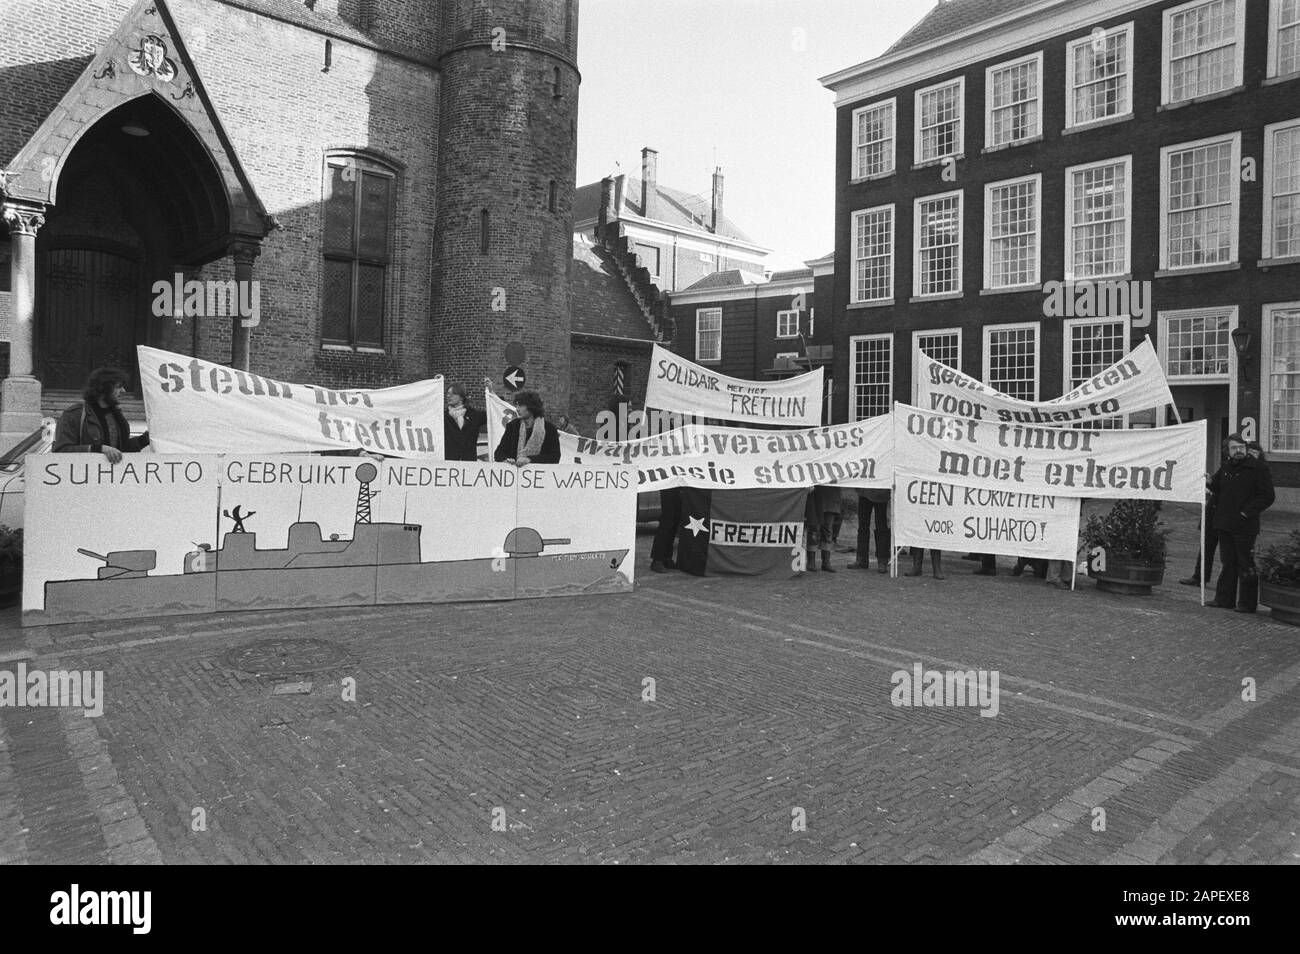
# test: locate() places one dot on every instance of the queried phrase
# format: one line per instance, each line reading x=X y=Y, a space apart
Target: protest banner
x=944 y=516
x=286 y=531
x=1135 y=383
x=733 y=458
x=679 y=385
x=1164 y=463
x=198 y=407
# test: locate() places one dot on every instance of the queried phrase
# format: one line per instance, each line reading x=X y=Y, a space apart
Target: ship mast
x=365 y=474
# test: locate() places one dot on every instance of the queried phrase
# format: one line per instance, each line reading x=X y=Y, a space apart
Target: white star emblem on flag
x=696 y=525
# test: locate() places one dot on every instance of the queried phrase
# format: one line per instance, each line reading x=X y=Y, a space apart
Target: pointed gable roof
x=144 y=57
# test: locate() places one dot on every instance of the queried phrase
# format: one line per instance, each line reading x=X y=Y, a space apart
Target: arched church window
x=357 y=222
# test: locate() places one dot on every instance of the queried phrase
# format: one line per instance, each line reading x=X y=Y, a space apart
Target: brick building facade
x=760 y=330
x=1002 y=150
x=397 y=177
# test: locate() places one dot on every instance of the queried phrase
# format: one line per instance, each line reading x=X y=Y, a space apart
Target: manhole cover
x=276 y=657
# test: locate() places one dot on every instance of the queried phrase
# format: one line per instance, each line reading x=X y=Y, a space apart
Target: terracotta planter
x=1128 y=576
x=1282 y=600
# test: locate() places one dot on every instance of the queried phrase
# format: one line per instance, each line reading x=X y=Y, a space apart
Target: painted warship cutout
x=379 y=564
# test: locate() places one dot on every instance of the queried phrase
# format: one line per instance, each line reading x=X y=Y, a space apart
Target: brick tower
x=503 y=246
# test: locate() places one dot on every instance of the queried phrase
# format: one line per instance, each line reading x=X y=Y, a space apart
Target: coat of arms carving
x=150 y=59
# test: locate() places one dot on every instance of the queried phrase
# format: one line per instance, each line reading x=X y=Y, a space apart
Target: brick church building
x=397 y=177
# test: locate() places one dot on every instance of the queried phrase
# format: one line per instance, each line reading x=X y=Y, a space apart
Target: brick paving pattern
x=771 y=696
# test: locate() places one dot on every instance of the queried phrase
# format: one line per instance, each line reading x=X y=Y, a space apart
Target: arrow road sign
x=514 y=377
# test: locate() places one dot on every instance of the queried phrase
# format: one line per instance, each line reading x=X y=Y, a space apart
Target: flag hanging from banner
x=741 y=532
x=679 y=385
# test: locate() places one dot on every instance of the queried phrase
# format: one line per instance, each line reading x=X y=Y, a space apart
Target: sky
x=730 y=83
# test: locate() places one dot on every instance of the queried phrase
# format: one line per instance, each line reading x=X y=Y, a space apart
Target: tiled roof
x=676 y=208
x=791 y=274
x=728 y=279
x=952 y=16
x=601 y=302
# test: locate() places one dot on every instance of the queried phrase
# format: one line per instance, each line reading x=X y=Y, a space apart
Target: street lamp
x=1241 y=341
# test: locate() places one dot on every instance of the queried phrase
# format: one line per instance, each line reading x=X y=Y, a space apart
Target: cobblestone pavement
x=771 y=705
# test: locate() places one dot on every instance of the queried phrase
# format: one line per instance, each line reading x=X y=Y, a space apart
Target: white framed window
x=873 y=254
x=936 y=230
x=871 y=375
x=1203 y=49
x=1011 y=359
x=1011 y=232
x=1282 y=189
x=1099 y=76
x=787 y=323
x=1283 y=37
x=1013 y=101
x=1091 y=346
x=873 y=139
x=708 y=334
x=941 y=344
x=1281 y=384
x=1098 y=219
x=1200 y=198
x=648 y=258
x=1195 y=345
x=939 y=121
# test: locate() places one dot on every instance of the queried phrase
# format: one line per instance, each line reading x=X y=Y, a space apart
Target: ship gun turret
x=527 y=542
x=120 y=564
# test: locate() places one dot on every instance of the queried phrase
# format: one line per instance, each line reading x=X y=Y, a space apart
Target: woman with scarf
x=529 y=438
x=461 y=424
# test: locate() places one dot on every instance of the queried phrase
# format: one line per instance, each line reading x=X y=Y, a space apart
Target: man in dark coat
x=1242 y=489
x=96 y=425
x=461 y=426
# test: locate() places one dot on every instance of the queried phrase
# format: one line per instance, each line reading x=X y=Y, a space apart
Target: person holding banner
x=873 y=504
x=1242 y=488
x=918 y=562
x=819 y=515
x=96 y=425
x=530 y=438
x=461 y=426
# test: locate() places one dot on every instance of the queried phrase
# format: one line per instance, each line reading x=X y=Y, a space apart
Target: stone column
x=20 y=392
x=243 y=253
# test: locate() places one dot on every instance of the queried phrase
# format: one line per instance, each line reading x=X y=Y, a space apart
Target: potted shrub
x=11 y=565
x=1126 y=547
x=1279 y=579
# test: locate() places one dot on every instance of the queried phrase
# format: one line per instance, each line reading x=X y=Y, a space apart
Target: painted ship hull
x=228 y=590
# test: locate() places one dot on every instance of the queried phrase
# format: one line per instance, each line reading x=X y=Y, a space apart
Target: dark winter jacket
x=82 y=429
x=461 y=443
x=1242 y=489
x=509 y=446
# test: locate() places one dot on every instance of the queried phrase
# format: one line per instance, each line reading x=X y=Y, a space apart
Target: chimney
x=649 y=183
x=606 y=204
x=717 y=199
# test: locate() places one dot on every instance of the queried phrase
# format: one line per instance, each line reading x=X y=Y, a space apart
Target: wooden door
x=90 y=302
